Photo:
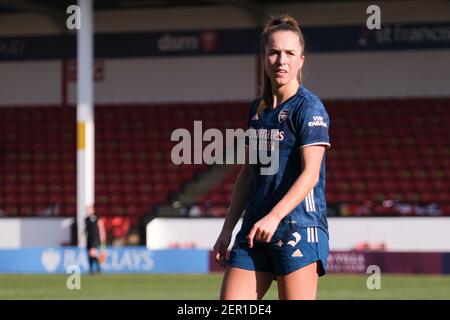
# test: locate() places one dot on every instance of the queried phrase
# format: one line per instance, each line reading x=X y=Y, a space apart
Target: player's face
x=283 y=58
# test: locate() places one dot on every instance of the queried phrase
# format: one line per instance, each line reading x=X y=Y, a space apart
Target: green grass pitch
x=189 y=287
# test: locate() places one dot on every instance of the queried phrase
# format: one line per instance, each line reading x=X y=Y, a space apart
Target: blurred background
x=161 y=65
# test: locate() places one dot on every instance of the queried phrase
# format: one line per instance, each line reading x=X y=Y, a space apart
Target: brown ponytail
x=277 y=23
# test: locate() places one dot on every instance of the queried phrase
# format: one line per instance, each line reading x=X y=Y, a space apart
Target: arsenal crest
x=283 y=115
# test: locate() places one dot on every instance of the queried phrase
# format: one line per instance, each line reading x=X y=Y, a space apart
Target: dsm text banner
x=393 y=36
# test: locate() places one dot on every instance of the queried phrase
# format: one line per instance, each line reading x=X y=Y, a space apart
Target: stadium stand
x=134 y=172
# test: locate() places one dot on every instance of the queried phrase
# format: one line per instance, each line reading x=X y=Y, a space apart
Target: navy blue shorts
x=284 y=254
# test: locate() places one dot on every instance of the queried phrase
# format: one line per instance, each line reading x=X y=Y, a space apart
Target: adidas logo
x=297 y=253
x=279 y=243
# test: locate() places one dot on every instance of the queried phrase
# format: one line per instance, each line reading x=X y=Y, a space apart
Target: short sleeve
x=312 y=126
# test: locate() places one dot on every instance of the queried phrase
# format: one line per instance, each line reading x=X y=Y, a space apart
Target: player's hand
x=263 y=230
x=221 y=246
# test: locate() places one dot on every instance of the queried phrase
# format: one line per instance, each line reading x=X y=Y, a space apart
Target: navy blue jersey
x=298 y=122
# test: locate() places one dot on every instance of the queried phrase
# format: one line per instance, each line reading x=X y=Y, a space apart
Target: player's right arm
x=239 y=197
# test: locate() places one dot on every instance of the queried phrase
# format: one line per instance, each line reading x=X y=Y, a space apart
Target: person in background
x=95 y=233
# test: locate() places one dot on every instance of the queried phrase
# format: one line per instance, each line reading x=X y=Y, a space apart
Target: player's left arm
x=312 y=158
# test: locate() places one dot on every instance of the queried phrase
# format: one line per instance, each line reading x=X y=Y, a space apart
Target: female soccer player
x=284 y=232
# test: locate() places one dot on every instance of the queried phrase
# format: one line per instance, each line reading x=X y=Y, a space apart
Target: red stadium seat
x=375 y=158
